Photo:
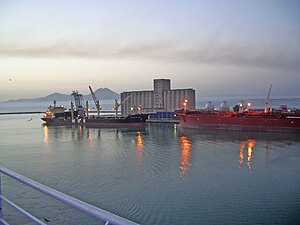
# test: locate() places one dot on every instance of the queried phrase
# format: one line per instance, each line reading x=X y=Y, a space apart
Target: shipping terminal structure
x=136 y=108
x=163 y=103
x=160 y=103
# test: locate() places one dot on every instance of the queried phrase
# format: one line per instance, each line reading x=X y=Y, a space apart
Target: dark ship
x=79 y=115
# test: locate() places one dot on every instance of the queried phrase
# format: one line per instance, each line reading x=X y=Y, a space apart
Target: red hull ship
x=251 y=121
x=242 y=118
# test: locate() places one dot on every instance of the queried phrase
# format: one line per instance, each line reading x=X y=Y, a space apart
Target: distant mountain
x=55 y=96
x=101 y=94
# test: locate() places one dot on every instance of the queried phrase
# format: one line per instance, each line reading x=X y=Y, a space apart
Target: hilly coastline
x=101 y=94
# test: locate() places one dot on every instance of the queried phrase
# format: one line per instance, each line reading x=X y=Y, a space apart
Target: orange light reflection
x=139 y=145
x=241 y=152
x=185 y=155
x=251 y=143
x=46 y=135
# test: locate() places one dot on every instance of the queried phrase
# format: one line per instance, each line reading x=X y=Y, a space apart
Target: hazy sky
x=216 y=47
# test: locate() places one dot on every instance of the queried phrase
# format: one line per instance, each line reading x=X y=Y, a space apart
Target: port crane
x=267 y=100
x=117 y=105
x=96 y=101
x=78 y=98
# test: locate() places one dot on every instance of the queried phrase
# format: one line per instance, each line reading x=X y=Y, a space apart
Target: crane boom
x=96 y=101
x=267 y=100
x=117 y=105
x=129 y=96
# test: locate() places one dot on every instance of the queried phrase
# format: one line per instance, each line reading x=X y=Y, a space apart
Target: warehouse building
x=161 y=99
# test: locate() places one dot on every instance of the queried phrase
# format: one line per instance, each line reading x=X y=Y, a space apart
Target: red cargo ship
x=242 y=118
x=249 y=120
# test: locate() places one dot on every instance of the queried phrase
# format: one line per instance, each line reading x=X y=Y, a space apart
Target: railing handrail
x=73 y=202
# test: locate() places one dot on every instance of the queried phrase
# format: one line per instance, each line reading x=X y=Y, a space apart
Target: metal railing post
x=109 y=218
x=1 y=213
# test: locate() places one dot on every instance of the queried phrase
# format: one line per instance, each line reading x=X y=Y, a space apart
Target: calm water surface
x=157 y=175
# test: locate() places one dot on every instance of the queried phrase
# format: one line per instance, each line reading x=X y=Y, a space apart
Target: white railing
x=107 y=217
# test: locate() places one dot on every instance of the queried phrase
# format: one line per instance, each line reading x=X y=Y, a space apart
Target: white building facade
x=162 y=98
x=173 y=99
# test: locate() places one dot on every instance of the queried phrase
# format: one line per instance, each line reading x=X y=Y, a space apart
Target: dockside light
x=185 y=104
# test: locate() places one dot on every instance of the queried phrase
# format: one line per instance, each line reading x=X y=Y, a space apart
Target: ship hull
x=61 y=121
x=113 y=125
x=243 y=122
x=128 y=121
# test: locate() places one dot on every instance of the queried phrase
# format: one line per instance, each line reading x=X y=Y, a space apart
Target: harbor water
x=160 y=174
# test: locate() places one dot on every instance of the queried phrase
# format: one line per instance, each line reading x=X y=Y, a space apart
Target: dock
x=162 y=120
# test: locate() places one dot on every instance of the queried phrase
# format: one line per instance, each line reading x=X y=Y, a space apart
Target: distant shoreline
x=101 y=94
x=39 y=112
x=14 y=113
x=198 y=99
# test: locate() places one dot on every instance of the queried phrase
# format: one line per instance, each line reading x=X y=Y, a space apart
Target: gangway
x=107 y=217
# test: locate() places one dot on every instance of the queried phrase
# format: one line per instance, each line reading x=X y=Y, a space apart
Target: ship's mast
x=95 y=100
x=267 y=100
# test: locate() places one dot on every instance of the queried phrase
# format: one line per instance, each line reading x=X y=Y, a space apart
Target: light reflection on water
x=250 y=144
x=160 y=174
x=185 y=155
x=139 y=145
x=46 y=135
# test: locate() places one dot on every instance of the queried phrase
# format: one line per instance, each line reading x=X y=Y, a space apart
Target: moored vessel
x=59 y=115
x=136 y=120
x=250 y=121
x=241 y=118
x=80 y=115
x=117 y=121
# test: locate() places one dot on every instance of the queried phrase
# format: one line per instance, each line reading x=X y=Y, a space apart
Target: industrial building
x=161 y=99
